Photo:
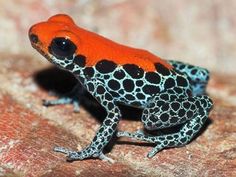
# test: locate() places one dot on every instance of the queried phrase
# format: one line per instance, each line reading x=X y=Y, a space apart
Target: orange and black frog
x=170 y=93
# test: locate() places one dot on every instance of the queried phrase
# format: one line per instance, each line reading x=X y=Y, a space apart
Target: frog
x=170 y=93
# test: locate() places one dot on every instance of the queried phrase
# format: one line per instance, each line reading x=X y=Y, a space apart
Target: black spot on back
x=113 y=84
x=150 y=89
x=128 y=85
x=181 y=81
x=139 y=83
x=164 y=96
x=88 y=72
x=100 y=90
x=140 y=96
x=164 y=117
x=80 y=60
x=119 y=74
x=162 y=69
x=129 y=97
x=169 y=83
x=153 y=77
x=134 y=71
x=105 y=66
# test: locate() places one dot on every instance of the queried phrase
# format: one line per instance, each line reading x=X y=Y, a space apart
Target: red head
x=59 y=38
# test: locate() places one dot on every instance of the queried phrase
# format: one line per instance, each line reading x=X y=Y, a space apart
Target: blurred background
x=201 y=32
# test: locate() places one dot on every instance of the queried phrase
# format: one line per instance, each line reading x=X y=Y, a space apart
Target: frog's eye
x=62 y=48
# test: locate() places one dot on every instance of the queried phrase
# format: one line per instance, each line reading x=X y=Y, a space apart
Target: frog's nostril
x=34 y=38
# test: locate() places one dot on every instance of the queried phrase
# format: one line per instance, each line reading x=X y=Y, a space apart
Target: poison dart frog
x=170 y=93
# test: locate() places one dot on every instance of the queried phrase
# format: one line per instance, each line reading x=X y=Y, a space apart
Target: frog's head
x=56 y=40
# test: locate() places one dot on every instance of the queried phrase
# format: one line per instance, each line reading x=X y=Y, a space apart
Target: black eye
x=62 y=48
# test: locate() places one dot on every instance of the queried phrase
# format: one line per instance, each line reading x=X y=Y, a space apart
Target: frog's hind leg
x=72 y=97
x=192 y=113
x=197 y=76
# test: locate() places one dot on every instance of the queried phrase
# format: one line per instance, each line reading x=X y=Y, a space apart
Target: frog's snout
x=36 y=42
x=34 y=38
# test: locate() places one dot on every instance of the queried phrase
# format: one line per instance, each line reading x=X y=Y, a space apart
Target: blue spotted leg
x=107 y=129
x=168 y=110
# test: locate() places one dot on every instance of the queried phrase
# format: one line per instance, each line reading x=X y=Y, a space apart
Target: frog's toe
x=120 y=134
x=138 y=133
x=154 y=151
x=76 y=105
x=61 y=150
x=105 y=158
x=63 y=100
x=71 y=155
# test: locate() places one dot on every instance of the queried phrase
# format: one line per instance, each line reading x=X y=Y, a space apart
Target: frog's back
x=120 y=54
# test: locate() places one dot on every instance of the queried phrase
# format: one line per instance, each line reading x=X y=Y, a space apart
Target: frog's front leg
x=105 y=132
x=197 y=76
x=73 y=97
x=189 y=111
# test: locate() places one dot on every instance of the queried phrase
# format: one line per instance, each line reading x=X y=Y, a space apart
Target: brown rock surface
x=29 y=131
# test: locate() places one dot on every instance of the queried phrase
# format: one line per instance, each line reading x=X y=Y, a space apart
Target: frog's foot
x=74 y=155
x=105 y=158
x=80 y=155
x=136 y=135
x=70 y=98
x=71 y=155
x=64 y=100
